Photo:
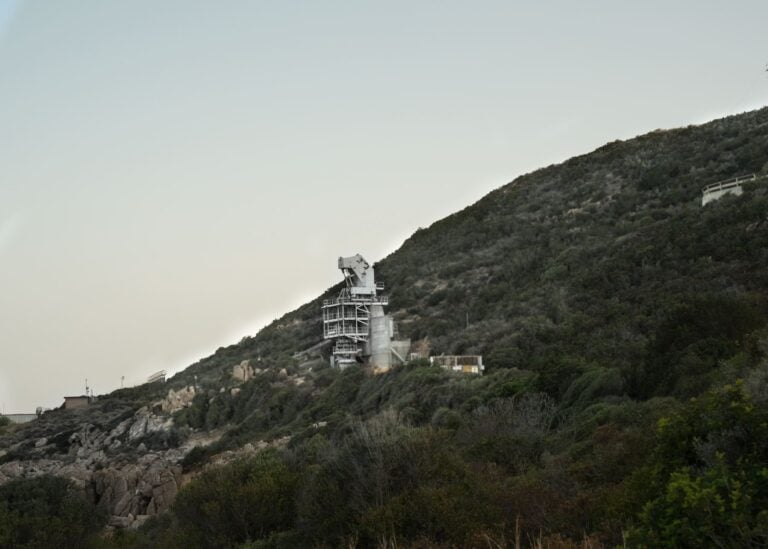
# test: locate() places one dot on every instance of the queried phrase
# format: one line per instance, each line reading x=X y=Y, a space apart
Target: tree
x=708 y=475
x=243 y=501
x=46 y=512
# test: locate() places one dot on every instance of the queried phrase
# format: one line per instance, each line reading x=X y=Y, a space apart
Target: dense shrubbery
x=46 y=512
x=247 y=500
x=512 y=468
x=602 y=297
x=471 y=465
x=707 y=483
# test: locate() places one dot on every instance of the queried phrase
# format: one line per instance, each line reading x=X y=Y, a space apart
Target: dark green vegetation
x=46 y=512
x=707 y=482
x=581 y=265
x=625 y=330
x=603 y=298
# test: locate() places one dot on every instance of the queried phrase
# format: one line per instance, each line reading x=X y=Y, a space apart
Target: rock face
x=244 y=371
x=176 y=400
x=146 y=487
x=126 y=460
x=105 y=454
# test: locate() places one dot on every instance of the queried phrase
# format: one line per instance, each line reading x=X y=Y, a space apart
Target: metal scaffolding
x=347 y=319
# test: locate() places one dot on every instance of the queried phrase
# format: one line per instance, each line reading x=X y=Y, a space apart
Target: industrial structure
x=465 y=364
x=157 y=376
x=356 y=324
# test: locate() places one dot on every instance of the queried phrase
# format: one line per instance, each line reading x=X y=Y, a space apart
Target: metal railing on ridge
x=378 y=300
x=728 y=183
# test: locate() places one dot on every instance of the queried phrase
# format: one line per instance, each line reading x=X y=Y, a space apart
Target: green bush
x=46 y=512
x=708 y=480
x=244 y=501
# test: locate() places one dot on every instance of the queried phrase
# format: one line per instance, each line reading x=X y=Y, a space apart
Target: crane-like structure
x=355 y=320
x=359 y=276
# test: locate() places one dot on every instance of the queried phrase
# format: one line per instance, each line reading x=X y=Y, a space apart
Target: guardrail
x=349 y=332
x=333 y=317
x=378 y=300
x=728 y=183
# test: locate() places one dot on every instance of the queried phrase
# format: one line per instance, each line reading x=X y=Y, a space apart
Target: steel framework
x=347 y=319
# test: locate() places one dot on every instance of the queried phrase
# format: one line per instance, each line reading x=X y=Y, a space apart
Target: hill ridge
x=602 y=297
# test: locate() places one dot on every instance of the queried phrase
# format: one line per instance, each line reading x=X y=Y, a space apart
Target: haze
x=176 y=174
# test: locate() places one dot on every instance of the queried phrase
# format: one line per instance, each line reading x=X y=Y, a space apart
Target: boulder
x=243 y=372
x=176 y=400
x=121 y=522
x=139 y=427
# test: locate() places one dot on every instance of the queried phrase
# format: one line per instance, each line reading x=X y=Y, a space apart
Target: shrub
x=708 y=480
x=240 y=502
x=46 y=512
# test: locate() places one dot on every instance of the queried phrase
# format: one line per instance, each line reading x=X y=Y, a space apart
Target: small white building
x=465 y=364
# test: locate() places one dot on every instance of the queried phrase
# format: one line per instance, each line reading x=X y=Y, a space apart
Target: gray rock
x=243 y=372
x=121 y=522
x=176 y=400
x=139 y=521
x=139 y=427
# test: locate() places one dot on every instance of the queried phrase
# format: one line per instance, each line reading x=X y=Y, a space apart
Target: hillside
x=625 y=333
x=570 y=260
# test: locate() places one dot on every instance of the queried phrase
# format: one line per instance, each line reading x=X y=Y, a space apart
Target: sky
x=174 y=175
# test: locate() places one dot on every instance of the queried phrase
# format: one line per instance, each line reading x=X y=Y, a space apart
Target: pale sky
x=176 y=174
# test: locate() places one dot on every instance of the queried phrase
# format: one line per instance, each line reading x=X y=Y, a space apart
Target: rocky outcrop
x=145 y=422
x=177 y=400
x=243 y=372
x=107 y=458
x=119 y=456
x=146 y=487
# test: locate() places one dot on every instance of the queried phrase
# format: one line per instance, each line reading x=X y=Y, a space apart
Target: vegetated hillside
x=602 y=296
x=593 y=263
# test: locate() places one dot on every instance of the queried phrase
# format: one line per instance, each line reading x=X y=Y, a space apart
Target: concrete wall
x=21 y=418
x=711 y=196
x=402 y=347
x=379 y=341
